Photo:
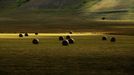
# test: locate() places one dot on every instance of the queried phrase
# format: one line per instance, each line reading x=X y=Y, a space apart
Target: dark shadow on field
x=3 y=72
x=71 y=66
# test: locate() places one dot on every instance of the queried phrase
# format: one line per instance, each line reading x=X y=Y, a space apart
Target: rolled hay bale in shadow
x=71 y=41
x=35 y=41
x=113 y=39
x=104 y=38
x=70 y=32
x=20 y=35
x=68 y=37
x=26 y=34
x=65 y=42
x=103 y=18
x=36 y=33
x=61 y=38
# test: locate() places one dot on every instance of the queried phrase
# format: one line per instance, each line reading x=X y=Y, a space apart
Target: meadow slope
x=111 y=9
x=66 y=15
x=89 y=56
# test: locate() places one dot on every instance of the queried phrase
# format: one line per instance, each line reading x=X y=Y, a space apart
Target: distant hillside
x=53 y=15
x=7 y=4
x=87 y=5
x=55 y=4
x=92 y=9
x=111 y=9
x=24 y=5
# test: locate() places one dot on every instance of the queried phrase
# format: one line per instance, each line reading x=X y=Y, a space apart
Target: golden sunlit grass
x=89 y=55
x=16 y=35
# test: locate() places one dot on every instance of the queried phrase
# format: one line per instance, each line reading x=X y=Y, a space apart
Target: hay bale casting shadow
x=36 y=33
x=70 y=32
x=104 y=38
x=26 y=34
x=65 y=43
x=103 y=18
x=113 y=39
x=68 y=37
x=35 y=41
x=61 y=38
x=71 y=41
x=20 y=35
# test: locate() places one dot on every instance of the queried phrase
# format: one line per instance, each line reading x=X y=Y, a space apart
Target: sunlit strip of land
x=16 y=35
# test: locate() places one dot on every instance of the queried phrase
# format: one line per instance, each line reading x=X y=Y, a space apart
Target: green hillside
x=13 y=6
x=55 y=4
x=92 y=9
x=111 y=9
x=59 y=15
x=43 y=4
x=7 y=4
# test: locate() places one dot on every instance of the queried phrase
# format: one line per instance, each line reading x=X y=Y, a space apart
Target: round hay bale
x=104 y=38
x=68 y=37
x=36 y=33
x=70 y=32
x=71 y=41
x=26 y=34
x=35 y=41
x=65 y=43
x=103 y=18
x=113 y=39
x=20 y=35
x=61 y=38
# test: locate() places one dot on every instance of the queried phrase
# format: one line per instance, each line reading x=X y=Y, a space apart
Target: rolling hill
x=64 y=15
x=112 y=9
x=54 y=4
x=4 y=4
x=94 y=9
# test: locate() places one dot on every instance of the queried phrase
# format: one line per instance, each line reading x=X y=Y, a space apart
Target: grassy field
x=65 y=24
x=89 y=55
x=52 y=18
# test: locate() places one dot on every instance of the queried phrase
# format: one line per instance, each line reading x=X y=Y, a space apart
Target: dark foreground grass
x=88 y=56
